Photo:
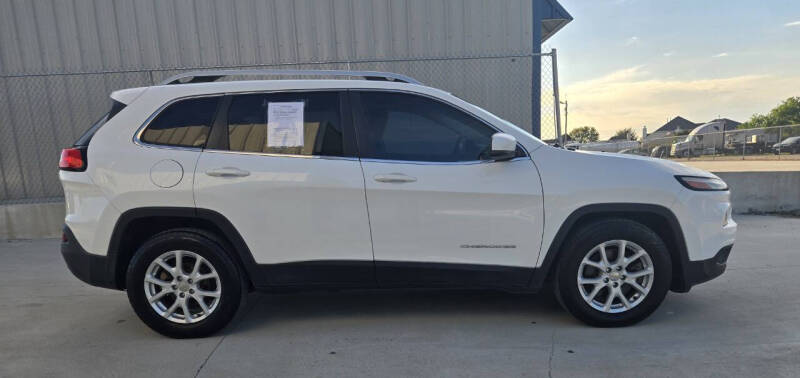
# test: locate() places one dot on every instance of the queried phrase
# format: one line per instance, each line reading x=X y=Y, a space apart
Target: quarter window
x=400 y=126
x=185 y=123
x=86 y=137
x=301 y=123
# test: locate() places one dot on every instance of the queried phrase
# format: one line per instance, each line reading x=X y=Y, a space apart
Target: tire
x=218 y=283
x=583 y=251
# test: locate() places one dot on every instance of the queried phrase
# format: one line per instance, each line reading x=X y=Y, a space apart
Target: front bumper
x=697 y=272
x=90 y=268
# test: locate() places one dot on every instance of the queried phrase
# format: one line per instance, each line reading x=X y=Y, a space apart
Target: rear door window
x=291 y=123
x=185 y=123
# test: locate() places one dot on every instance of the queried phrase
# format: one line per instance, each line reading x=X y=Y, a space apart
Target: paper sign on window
x=285 y=124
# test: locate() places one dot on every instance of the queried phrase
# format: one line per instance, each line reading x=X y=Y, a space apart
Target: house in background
x=675 y=126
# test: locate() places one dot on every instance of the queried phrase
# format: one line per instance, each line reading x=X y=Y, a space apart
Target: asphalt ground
x=744 y=323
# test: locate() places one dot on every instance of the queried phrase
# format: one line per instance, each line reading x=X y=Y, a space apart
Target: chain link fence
x=770 y=143
x=550 y=116
x=705 y=143
x=43 y=113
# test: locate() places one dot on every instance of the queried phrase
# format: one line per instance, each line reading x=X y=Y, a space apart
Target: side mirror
x=504 y=147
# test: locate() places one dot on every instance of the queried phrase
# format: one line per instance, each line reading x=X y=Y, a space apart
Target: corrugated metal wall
x=55 y=36
x=59 y=59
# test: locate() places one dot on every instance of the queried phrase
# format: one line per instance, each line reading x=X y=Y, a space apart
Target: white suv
x=191 y=193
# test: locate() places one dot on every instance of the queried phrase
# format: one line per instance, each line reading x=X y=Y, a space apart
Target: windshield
x=790 y=140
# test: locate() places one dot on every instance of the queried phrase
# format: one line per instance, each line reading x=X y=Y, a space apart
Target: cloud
x=790 y=24
x=669 y=53
x=633 y=97
x=720 y=55
x=632 y=41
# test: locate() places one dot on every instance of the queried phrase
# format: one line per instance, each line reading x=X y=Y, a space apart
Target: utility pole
x=566 y=117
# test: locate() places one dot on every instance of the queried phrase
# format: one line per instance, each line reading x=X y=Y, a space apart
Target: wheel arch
x=656 y=217
x=135 y=226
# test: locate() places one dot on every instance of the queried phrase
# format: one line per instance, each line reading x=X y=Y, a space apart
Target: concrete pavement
x=745 y=323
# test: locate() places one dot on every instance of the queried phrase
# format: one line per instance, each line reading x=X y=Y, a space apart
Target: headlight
x=702 y=183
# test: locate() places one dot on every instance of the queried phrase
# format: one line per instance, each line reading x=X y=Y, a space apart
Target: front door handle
x=395 y=178
x=227 y=172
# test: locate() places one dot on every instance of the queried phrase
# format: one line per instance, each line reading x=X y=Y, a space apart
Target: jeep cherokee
x=191 y=193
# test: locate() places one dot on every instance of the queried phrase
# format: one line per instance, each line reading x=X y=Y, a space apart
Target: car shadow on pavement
x=267 y=309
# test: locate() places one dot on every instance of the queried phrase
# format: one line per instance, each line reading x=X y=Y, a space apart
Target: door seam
x=369 y=221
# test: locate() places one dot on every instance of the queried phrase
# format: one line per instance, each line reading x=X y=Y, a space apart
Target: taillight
x=73 y=159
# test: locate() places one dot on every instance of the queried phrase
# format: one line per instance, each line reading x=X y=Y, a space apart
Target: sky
x=634 y=63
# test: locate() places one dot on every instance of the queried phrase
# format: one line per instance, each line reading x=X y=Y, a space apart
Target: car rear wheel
x=616 y=272
x=183 y=284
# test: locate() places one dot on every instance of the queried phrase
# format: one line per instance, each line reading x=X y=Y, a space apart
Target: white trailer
x=705 y=139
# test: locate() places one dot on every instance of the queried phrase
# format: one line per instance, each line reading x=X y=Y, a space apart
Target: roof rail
x=214 y=75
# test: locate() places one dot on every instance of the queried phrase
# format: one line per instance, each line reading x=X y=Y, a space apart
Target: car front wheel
x=616 y=272
x=183 y=284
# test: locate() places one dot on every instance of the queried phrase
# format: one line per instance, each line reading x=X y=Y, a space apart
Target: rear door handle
x=227 y=172
x=395 y=178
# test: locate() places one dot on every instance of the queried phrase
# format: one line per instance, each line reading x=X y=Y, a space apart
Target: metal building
x=59 y=59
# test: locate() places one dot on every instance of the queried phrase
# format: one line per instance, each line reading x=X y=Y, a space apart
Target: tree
x=584 y=134
x=787 y=113
x=627 y=133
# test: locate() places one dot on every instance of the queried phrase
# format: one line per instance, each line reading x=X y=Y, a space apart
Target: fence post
x=744 y=144
x=780 y=135
x=556 y=99
x=536 y=68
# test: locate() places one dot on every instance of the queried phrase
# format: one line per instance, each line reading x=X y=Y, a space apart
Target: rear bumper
x=90 y=268
x=697 y=272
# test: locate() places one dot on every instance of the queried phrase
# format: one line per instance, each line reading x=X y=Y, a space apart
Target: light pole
x=566 y=117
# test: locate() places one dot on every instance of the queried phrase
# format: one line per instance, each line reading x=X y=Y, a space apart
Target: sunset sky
x=629 y=63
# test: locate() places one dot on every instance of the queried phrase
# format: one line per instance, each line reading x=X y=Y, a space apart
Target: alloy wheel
x=615 y=276
x=182 y=286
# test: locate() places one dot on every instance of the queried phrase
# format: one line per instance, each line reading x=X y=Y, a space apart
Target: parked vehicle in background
x=790 y=145
x=705 y=139
x=750 y=141
x=632 y=151
x=660 y=151
x=191 y=193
